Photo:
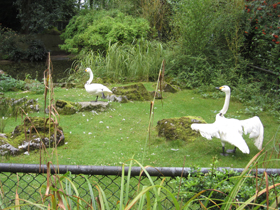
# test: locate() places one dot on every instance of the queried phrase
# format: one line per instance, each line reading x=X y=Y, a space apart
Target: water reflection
x=35 y=70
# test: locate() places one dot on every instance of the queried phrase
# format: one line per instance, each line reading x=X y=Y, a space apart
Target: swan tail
x=107 y=90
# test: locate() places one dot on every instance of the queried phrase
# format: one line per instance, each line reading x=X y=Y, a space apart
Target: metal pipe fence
x=29 y=180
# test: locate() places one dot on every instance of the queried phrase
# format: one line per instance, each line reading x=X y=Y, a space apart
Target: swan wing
x=254 y=127
x=206 y=130
x=231 y=132
x=228 y=130
x=97 y=88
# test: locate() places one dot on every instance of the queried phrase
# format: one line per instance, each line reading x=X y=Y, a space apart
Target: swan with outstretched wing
x=232 y=130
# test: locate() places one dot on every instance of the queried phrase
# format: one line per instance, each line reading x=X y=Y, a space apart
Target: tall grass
x=135 y=62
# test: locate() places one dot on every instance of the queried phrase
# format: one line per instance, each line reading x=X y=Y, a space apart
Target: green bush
x=208 y=41
x=94 y=30
x=7 y=83
x=35 y=86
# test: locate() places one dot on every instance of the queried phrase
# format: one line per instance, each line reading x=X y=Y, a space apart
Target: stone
x=178 y=128
x=157 y=96
x=28 y=106
x=6 y=148
x=120 y=99
x=136 y=92
x=31 y=135
x=167 y=87
x=67 y=108
x=99 y=106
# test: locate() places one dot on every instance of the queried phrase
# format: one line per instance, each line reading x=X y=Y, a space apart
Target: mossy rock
x=33 y=132
x=66 y=107
x=155 y=94
x=11 y=104
x=6 y=148
x=136 y=92
x=167 y=87
x=39 y=123
x=178 y=128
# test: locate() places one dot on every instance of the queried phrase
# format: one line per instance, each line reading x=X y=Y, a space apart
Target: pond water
x=35 y=70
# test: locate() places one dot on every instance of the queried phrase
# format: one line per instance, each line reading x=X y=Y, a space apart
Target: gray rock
x=96 y=106
x=6 y=148
x=34 y=140
x=120 y=99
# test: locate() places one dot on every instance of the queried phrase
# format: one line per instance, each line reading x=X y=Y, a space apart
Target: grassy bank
x=111 y=137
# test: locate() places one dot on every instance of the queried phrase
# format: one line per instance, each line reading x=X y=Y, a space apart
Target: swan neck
x=226 y=104
x=90 y=77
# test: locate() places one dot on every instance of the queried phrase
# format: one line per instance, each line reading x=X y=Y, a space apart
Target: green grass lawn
x=112 y=137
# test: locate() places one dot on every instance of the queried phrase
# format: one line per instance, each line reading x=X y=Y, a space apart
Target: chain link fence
x=29 y=181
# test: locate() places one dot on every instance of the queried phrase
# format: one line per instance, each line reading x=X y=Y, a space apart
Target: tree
x=37 y=15
x=8 y=13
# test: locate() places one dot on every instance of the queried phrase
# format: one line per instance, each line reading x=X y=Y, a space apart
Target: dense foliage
x=93 y=30
x=262 y=34
x=7 y=83
x=35 y=16
x=217 y=185
x=21 y=47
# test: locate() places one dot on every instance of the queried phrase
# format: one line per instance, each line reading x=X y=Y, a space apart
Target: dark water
x=35 y=70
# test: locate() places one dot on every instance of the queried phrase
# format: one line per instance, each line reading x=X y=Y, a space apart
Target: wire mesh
x=32 y=186
x=29 y=181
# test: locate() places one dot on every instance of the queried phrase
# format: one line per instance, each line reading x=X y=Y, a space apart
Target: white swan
x=231 y=130
x=95 y=88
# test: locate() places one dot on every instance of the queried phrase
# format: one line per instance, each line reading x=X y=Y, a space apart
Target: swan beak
x=219 y=88
x=85 y=70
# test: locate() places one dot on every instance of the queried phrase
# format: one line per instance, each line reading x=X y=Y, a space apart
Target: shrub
x=8 y=83
x=209 y=40
x=262 y=33
x=216 y=187
x=94 y=30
